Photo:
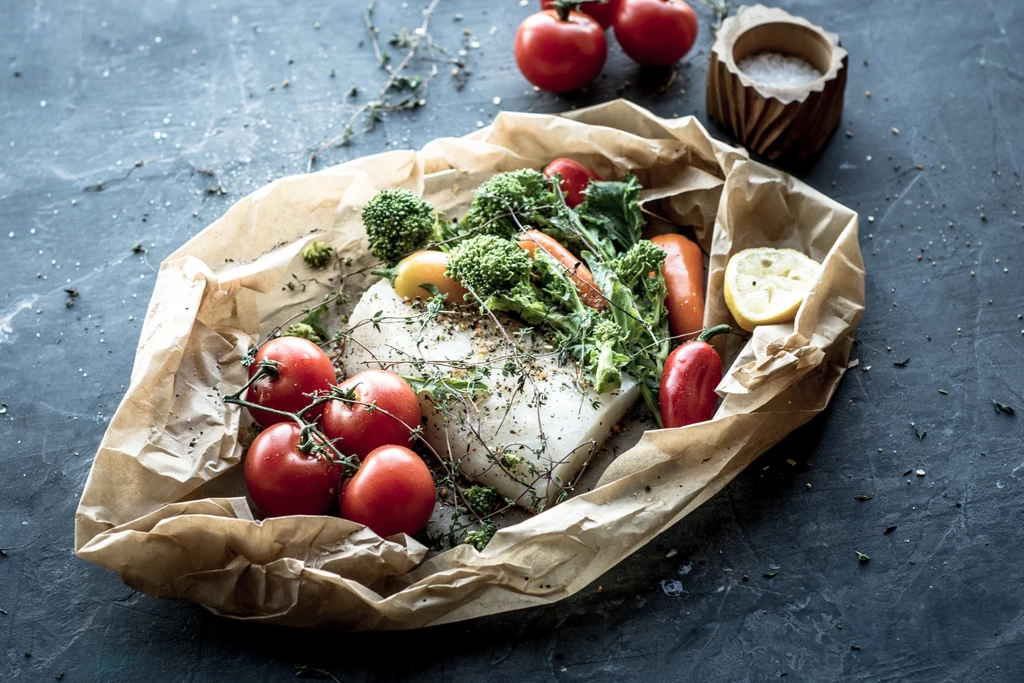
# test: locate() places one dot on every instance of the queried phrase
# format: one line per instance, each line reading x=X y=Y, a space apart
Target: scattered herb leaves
x=770 y=575
x=1003 y=407
x=864 y=496
x=889 y=529
x=902 y=363
x=861 y=556
x=943 y=392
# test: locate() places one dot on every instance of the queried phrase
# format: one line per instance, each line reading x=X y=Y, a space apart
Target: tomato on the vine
x=302 y=369
x=391 y=493
x=362 y=428
x=282 y=480
x=560 y=50
x=603 y=12
x=656 y=32
x=575 y=178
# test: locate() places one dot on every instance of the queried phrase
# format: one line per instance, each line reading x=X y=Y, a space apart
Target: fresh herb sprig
x=400 y=91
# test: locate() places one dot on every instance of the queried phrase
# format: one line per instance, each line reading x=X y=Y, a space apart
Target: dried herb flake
x=1003 y=407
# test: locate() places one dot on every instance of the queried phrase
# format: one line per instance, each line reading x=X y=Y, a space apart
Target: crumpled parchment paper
x=164 y=504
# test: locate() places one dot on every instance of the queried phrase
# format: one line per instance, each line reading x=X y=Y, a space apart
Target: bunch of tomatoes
x=563 y=47
x=293 y=466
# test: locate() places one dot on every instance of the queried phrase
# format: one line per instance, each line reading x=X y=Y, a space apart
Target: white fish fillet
x=508 y=421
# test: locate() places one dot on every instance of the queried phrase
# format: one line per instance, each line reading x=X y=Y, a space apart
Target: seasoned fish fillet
x=528 y=449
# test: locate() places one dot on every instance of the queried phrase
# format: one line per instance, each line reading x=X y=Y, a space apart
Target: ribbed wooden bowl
x=785 y=124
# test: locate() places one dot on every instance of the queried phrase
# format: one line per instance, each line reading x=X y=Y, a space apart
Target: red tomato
x=560 y=53
x=361 y=429
x=692 y=372
x=391 y=493
x=303 y=368
x=603 y=12
x=282 y=480
x=575 y=178
x=656 y=32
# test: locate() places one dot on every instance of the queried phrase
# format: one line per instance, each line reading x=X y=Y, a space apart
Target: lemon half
x=765 y=286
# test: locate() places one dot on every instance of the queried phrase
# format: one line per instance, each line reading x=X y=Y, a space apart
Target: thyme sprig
x=400 y=91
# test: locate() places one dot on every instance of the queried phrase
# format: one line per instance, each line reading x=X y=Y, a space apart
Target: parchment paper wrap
x=164 y=504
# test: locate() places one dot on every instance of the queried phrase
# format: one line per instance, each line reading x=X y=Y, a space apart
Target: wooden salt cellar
x=784 y=124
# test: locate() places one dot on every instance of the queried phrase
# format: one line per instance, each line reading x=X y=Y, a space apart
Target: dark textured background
x=90 y=88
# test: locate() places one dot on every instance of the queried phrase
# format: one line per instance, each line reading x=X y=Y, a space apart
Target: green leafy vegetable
x=612 y=209
x=639 y=309
x=607 y=224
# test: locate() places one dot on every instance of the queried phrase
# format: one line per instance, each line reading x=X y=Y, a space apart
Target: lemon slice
x=766 y=286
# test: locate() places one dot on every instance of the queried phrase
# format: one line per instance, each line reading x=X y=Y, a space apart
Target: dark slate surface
x=90 y=88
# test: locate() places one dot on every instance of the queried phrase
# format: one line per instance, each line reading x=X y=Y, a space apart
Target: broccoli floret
x=480 y=539
x=317 y=253
x=604 y=359
x=642 y=261
x=305 y=331
x=540 y=292
x=498 y=271
x=525 y=193
x=398 y=223
x=489 y=265
x=483 y=499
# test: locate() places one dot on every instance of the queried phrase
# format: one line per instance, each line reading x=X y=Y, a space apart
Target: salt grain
x=778 y=70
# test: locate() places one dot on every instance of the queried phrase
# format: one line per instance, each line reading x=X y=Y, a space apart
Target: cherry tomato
x=426 y=267
x=580 y=274
x=391 y=493
x=575 y=178
x=559 y=50
x=282 y=480
x=692 y=372
x=603 y=12
x=302 y=368
x=656 y=32
x=684 y=280
x=363 y=429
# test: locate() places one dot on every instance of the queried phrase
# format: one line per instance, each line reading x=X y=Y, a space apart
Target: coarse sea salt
x=778 y=70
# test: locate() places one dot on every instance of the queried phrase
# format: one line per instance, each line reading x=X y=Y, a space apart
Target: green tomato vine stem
x=564 y=7
x=311 y=440
x=712 y=331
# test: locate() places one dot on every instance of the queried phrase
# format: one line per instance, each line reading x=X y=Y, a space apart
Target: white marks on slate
x=22 y=304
